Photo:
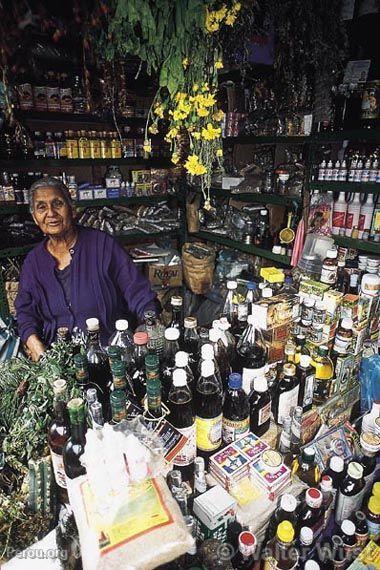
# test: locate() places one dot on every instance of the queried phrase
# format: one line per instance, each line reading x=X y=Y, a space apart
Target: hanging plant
x=179 y=40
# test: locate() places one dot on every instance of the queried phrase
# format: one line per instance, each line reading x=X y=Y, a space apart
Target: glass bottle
x=208 y=411
x=220 y=355
x=191 y=341
x=286 y=510
x=305 y=544
x=335 y=471
x=312 y=514
x=350 y=492
x=305 y=375
x=181 y=416
x=260 y=404
x=306 y=467
x=280 y=552
x=82 y=374
x=59 y=431
x=324 y=371
x=361 y=529
x=176 y=322
x=156 y=333
x=200 y=483
x=251 y=355
x=98 y=365
x=251 y=296
x=182 y=363
x=286 y=396
x=79 y=101
x=140 y=340
x=118 y=402
x=74 y=447
x=230 y=307
x=370 y=446
x=153 y=385
x=296 y=435
x=168 y=362
x=96 y=411
x=244 y=559
x=122 y=337
x=300 y=342
x=326 y=488
x=235 y=422
x=373 y=518
x=285 y=436
x=207 y=353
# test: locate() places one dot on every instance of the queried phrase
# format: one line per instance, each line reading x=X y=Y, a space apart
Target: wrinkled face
x=51 y=213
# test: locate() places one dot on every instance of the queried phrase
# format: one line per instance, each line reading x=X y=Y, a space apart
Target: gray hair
x=48 y=182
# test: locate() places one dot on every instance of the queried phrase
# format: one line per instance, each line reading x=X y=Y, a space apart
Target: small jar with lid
x=330 y=267
x=307 y=311
x=319 y=313
x=343 y=337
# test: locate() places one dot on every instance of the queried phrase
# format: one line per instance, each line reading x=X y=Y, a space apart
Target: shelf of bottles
x=361 y=245
x=254 y=197
x=245 y=248
x=75 y=117
x=58 y=162
x=323 y=137
x=362 y=187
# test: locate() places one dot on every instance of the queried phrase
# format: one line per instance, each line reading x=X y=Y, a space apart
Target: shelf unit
x=51 y=117
x=363 y=187
x=61 y=162
x=361 y=245
x=255 y=197
x=316 y=138
x=251 y=249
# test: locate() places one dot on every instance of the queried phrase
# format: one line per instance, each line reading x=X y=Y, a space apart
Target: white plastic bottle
x=366 y=214
x=366 y=170
x=353 y=214
x=329 y=170
x=322 y=170
x=342 y=176
x=335 y=171
x=339 y=213
x=352 y=171
x=359 y=171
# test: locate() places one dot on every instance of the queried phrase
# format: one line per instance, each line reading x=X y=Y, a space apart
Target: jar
x=370 y=285
x=343 y=337
x=319 y=313
x=307 y=311
x=330 y=267
x=113 y=177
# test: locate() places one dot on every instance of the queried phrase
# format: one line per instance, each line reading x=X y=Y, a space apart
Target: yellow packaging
x=272 y=274
x=209 y=433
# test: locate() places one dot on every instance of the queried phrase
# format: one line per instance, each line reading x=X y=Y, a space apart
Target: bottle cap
x=152 y=361
x=214 y=335
x=92 y=324
x=326 y=483
x=276 y=249
x=59 y=386
x=235 y=381
x=289 y=369
x=323 y=350
x=231 y=285
x=190 y=323
x=247 y=543
x=297 y=412
x=176 y=301
x=171 y=333
x=288 y=503
x=313 y=498
x=250 y=319
x=251 y=285
x=306 y=535
x=355 y=470
x=370 y=442
x=149 y=315
x=301 y=338
x=223 y=324
x=179 y=378
x=341 y=264
x=311 y=565
x=374 y=505
x=305 y=360
x=348 y=527
x=308 y=454
x=346 y=324
x=121 y=325
x=207 y=352
x=332 y=253
x=207 y=368
x=267 y=293
x=140 y=338
x=181 y=359
x=337 y=464
x=285 y=531
x=263 y=212
x=260 y=384
x=376 y=489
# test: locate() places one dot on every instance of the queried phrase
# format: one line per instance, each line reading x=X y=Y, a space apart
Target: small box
x=360 y=335
x=251 y=446
x=113 y=193
x=141 y=176
x=214 y=510
x=165 y=275
x=272 y=478
x=275 y=311
x=314 y=289
x=231 y=181
x=344 y=369
x=85 y=194
x=100 y=193
x=229 y=466
x=113 y=182
x=332 y=300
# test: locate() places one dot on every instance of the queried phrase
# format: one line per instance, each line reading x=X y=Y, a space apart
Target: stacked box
x=229 y=466
x=313 y=289
x=276 y=311
x=270 y=473
x=214 y=511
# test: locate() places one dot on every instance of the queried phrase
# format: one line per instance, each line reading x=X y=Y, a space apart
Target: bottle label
x=373 y=530
x=40 y=100
x=328 y=274
x=286 y=402
x=264 y=413
x=231 y=431
x=188 y=453
x=347 y=505
x=349 y=220
x=248 y=376
x=242 y=312
x=25 y=96
x=309 y=391
x=341 y=343
x=59 y=470
x=53 y=99
x=338 y=219
x=209 y=433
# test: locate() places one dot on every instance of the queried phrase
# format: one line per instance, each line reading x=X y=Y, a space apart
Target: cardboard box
x=357 y=308
x=332 y=300
x=214 y=511
x=100 y=193
x=165 y=275
x=85 y=194
x=313 y=289
x=275 y=311
x=113 y=192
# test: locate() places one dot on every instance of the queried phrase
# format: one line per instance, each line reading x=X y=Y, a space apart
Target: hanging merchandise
x=320 y=214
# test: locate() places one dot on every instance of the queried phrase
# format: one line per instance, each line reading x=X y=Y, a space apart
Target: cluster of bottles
x=355 y=105
x=57 y=92
x=357 y=167
x=354 y=218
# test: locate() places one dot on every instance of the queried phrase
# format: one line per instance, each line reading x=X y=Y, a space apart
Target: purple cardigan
x=104 y=283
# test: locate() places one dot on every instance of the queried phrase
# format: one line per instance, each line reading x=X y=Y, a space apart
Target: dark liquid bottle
x=336 y=471
x=235 y=411
x=168 y=363
x=180 y=404
x=140 y=340
x=307 y=469
x=305 y=375
x=286 y=396
x=251 y=355
x=244 y=559
x=312 y=514
x=280 y=552
x=350 y=492
x=260 y=402
x=59 y=432
x=177 y=318
x=208 y=411
x=75 y=445
x=98 y=365
x=286 y=511
x=191 y=341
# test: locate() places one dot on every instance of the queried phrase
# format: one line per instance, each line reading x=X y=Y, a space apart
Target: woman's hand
x=35 y=347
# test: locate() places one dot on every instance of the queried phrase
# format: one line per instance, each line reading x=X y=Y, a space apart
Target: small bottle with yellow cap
x=280 y=552
x=373 y=518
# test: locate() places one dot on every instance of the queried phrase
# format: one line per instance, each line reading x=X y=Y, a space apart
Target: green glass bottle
x=75 y=445
x=153 y=385
x=118 y=405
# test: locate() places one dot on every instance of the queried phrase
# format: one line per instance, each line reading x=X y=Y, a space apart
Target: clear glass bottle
x=123 y=338
x=156 y=333
x=230 y=307
x=191 y=340
x=98 y=365
x=59 y=431
x=140 y=340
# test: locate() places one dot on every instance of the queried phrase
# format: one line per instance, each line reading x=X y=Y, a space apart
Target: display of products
x=235 y=422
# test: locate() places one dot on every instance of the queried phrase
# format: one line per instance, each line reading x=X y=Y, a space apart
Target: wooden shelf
x=369 y=187
x=67 y=162
x=256 y=197
x=45 y=116
x=369 y=246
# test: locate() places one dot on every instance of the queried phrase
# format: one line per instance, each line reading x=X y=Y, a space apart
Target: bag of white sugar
x=125 y=513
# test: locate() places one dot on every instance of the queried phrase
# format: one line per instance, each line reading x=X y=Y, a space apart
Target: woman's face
x=51 y=213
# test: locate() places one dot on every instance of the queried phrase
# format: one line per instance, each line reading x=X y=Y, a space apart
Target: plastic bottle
x=329 y=169
x=348 y=536
x=322 y=170
x=366 y=213
x=230 y=308
x=342 y=176
x=235 y=422
x=260 y=403
x=329 y=267
x=370 y=444
x=339 y=213
x=335 y=171
x=122 y=337
x=350 y=492
x=353 y=214
x=312 y=514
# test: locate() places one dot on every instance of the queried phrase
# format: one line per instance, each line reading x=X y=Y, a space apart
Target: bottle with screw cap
x=122 y=337
x=207 y=353
x=350 y=492
x=168 y=362
x=220 y=354
x=306 y=467
x=191 y=340
x=230 y=307
x=296 y=431
x=326 y=488
x=361 y=529
x=336 y=471
x=373 y=518
x=208 y=411
x=181 y=361
x=286 y=510
x=177 y=318
x=286 y=396
x=348 y=529
x=181 y=416
x=98 y=365
x=343 y=337
x=305 y=544
x=156 y=333
x=260 y=404
x=370 y=446
x=235 y=411
x=284 y=442
x=251 y=355
x=280 y=552
x=324 y=371
x=330 y=267
x=244 y=559
x=305 y=375
x=312 y=514
x=140 y=341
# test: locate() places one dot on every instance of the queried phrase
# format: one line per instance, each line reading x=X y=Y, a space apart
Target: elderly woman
x=74 y=274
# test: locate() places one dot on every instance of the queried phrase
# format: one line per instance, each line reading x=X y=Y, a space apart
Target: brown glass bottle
x=286 y=396
x=350 y=492
x=312 y=513
x=59 y=431
x=280 y=553
x=307 y=469
x=260 y=403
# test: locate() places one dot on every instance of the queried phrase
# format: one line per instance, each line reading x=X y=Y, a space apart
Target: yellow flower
x=184 y=107
x=196 y=135
x=147 y=146
x=202 y=112
x=159 y=111
x=211 y=23
x=236 y=7
x=153 y=129
x=218 y=115
x=173 y=132
x=185 y=62
x=205 y=87
x=230 y=20
x=175 y=157
x=218 y=64
x=180 y=96
x=208 y=100
x=211 y=133
x=195 y=87
x=220 y=14
x=194 y=167
x=178 y=115
x=219 y=152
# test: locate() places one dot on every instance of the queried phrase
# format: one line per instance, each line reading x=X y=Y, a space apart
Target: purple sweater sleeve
x=134 y=286
x=27 y=316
